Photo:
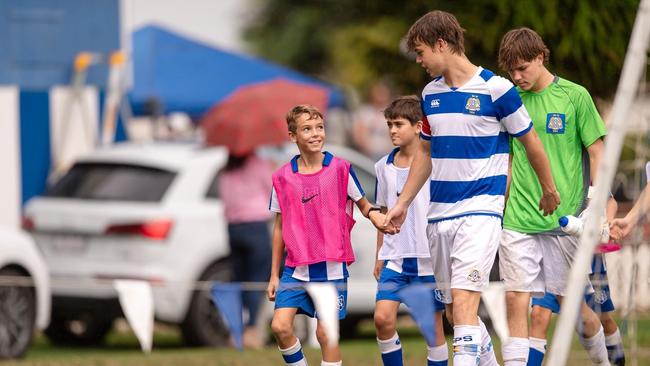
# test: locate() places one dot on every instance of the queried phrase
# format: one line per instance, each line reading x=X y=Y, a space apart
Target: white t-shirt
x=411 y=241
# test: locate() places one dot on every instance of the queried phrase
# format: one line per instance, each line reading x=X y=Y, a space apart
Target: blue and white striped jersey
x=411 y=266
x=321 y=271
x=469 y=128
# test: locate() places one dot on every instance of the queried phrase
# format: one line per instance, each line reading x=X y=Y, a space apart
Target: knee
x=539 y=317
x=282 y=329
x=321 y=336
x=384 y=321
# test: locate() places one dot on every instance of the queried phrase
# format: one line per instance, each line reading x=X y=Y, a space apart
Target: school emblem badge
x=340 y=303
x=440 y=296
x=474 y=276
x=555 y=123
x=600 y=297
x=473 y=104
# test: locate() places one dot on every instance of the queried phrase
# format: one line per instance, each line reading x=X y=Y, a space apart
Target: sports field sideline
x=122 y=349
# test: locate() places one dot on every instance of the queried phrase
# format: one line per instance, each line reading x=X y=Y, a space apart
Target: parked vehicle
x=24 y=292
x=152 y=212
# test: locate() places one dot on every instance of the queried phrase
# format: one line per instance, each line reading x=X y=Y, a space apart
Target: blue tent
x=188 y=76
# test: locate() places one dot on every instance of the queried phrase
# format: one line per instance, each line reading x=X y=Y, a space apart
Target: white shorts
x=558 y=253
x=520 y=262
x=463 y=252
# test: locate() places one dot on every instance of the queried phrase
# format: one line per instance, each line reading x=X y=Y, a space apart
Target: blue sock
x=391 y=351
x=535 y=357
x=293 y=355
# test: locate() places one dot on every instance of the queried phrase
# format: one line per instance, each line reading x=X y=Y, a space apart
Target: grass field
x=122 y=349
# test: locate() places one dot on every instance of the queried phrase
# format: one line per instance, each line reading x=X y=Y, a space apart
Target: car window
x=119 y=182
x=367 y=181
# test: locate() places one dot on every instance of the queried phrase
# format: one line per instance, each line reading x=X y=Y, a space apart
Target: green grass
x=122 y=349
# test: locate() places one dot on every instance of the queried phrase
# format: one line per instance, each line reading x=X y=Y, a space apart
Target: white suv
x=152 y=212
x=24 y=292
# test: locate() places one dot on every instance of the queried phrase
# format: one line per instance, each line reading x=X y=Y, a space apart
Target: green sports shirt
x=567 y=122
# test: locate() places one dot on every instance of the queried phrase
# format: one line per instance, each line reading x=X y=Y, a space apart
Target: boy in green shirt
x=535 y=255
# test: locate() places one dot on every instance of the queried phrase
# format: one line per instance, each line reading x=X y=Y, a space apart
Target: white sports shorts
x=463 y=251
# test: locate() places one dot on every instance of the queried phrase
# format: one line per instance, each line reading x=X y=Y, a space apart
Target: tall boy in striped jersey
x=403 y=259
x=312 y=196
x=464 y=154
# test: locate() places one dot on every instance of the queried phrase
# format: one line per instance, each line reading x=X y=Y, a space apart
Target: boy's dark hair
x=521 y=44
x=407 y=107
x=299 y=110
x=436 y=25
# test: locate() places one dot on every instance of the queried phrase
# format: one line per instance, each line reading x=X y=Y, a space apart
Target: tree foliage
x=355 y=42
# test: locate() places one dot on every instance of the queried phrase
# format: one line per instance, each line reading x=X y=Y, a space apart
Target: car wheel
x=83 y=329
x=203 y=324
x=17 y=317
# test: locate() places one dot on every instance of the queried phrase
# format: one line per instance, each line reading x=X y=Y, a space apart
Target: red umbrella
x=255 y=114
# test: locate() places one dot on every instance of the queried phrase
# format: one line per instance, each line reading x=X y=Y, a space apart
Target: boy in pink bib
x=312 y=196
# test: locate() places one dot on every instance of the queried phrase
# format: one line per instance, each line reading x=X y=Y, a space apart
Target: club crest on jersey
x=600 y=297
x=473 y=104
x=555 y=123
x=474 y=276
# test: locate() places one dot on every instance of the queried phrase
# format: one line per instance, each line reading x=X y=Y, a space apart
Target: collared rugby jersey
x=469 y=128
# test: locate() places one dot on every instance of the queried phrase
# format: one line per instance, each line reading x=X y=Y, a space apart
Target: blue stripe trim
x=452 y=192
x=318 y=271
x=294 y=357
x=410 y=265
x=376 y=184
x=519 y=134
x=294 y=164
x=508 y=103
x=467 y=147
x=356 y=181
x=456 y=102
x=425 y=137
x=486 y=74
x=391 y=156
x=433 y=221
x=346 y=274
x=327 y=159
x=270 y=199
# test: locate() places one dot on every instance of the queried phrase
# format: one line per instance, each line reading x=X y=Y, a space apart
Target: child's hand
x=377 y=218
x=619 y=229
x=379 y=264
x=394 y=219
x=272 y=288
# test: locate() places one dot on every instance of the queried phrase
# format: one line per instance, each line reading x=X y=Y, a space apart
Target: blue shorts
x=600 y=301
x=391 y=282
x=293 y=294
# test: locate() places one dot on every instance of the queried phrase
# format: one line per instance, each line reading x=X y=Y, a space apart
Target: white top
x=411 y=241
x=469 y=129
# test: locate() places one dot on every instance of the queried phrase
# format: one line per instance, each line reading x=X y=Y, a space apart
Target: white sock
x=488 y=358
x=437 y=355
x=467 y=344
x=325 y=363
x=595 y=347
x=538 y=344
x=614 y=344
x=293 y=355
x=389 y=345
x=515 y=351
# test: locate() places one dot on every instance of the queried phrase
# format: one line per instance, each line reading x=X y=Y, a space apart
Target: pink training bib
x=316 y=212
